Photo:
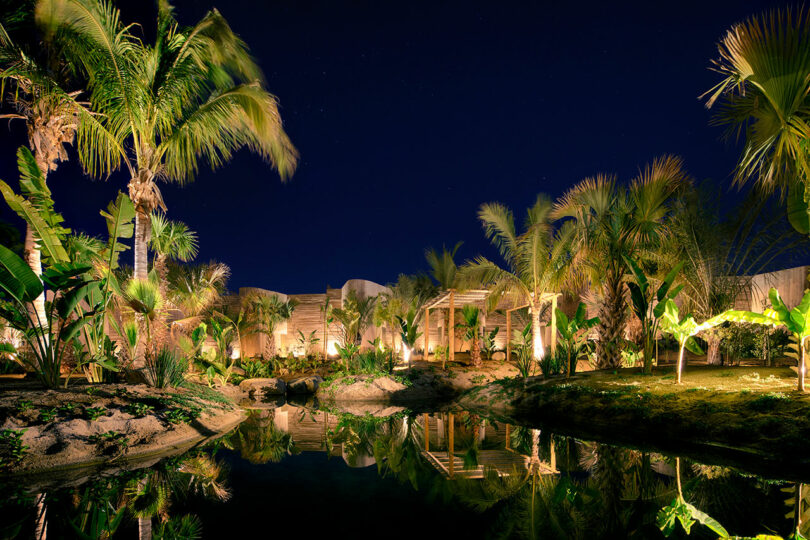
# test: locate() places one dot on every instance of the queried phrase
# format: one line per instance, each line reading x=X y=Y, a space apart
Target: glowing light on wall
x=406 y=353
x=331 y=350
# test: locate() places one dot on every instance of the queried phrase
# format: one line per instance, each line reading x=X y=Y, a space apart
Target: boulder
x=259 y=388
x=305 y=385
x=499 y=356
x=362 y=389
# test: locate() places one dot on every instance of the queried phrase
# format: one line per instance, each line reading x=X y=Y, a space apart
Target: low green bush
x=166 y=369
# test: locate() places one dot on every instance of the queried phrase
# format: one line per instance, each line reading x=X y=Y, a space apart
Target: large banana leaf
x=48 y=240
x=119 y=215
x=17 y=279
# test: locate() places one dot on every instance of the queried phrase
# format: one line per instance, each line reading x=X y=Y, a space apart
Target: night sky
x=409 y=115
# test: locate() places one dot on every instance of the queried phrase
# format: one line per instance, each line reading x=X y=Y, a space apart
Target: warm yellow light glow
x=406 y=353
x=537 y=346
x=330 y=348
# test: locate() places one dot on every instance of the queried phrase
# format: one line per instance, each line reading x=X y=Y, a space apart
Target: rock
x=362 y=389
x=259 y=388
x=305 y=385
x=236 y=370
x=499 y=356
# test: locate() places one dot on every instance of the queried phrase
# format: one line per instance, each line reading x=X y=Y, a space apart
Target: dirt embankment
x=97 y=425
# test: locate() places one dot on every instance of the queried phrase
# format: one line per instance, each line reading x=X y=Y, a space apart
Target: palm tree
x=443 y=270
x=535 y=261
x=407 y=292
x=170 y=240
x=722 y=252
x=763 y=92
x=354 y=316
x=608 y=222
x=195 y=289
x=195 y=92
x=471 y=324
x=267 y=311
x=54 y=118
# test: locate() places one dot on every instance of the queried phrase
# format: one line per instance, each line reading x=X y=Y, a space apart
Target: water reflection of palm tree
x=259 y=441
x=357 y=435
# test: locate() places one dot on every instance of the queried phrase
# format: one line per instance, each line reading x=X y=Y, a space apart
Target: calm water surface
x=299 y=472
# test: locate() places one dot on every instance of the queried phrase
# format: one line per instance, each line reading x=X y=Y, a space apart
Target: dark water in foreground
x=301 y=473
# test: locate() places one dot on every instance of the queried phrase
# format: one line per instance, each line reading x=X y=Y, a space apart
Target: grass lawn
x=733 y=413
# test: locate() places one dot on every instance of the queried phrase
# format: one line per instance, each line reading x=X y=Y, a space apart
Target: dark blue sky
x=408 y=115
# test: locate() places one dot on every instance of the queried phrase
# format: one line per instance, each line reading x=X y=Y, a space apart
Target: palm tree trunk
x=713 y=357
x=33 y=258
x=144 y=528
x=161 y=322
x=143 y=232
x=612 y=315
x=680 y=363
x=475 y=350
x=537 y=334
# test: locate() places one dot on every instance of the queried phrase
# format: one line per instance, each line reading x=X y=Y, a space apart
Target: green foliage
x=139 y=409
x=177 y=416
x=553 y=363
x=680 y=511
x=94 y=413
x=522 y=348
x=166 y=368
x=12 y=449
x=573 y=335
x=488 y=343
x=48 y=415
x=255 y=369
x=648 y=305
x=409 y=332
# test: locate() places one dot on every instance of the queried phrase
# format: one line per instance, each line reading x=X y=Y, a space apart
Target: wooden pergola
x=452 y=299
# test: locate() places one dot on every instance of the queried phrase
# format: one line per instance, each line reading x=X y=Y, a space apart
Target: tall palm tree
x=765 y=99
x=194 y=93
x=46 y=100
x=535 y=261
x=443 y=270
x=608 y=222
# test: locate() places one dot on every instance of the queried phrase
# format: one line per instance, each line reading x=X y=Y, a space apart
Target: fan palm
x=471 y=324
x=54 y=118
x=195 y=92
x=194 y=289
x=764 y=63
x=535 y=261
x=608 y=222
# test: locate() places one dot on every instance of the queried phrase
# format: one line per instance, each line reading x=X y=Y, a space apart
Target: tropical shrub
x=409 y=333
x=166 y=368
x=573 y=335
x=471 y=327
x=488 y=342
x=255 y=369
x=554 y=363
x=522 y=347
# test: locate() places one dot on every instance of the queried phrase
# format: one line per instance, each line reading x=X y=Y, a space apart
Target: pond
x=301 y=472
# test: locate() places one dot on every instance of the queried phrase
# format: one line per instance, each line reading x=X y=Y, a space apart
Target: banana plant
x=573 y=333
x=796 y=321
x=684 y=330
x=488 y=345
x=50 y=330
x=649 y=307
x=680 y=511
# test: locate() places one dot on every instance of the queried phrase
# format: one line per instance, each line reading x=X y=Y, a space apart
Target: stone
x=362 y=389
x=259 y=388
x=499 y=356
x=305 y=385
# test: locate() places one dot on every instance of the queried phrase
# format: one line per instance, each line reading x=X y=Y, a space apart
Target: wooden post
x=450 y=454
x=553 y=325
x=508 y=335
x=427 y=335
x=326 y=331
x=452 y=326
x=427 y=432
